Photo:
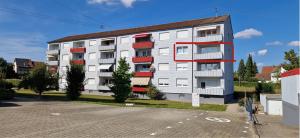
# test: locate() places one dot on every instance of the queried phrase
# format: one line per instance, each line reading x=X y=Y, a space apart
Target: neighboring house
x=290 y=91
x=22 y=65
x=270 y=74
x=179 y=58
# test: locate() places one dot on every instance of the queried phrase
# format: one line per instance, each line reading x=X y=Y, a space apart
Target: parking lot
x=72 y=119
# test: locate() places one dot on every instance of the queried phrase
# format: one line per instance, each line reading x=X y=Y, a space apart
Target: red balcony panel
x=142 y=59
x=143 y=74
x=78 y=50
x=146 y=44
x=139 y=89
x=78 y=62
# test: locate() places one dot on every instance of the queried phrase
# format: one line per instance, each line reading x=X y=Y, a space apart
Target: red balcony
x=78 y=62
x=143 y=74
x=142 y=59
x=78 y=50
x=139 y=89
x=146 y=44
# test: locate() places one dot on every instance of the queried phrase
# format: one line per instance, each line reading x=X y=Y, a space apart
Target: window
x=91 y=81
x=93 y=42
x=164 y=36
x=209 y=66
x=66 y=45
x=143 y=53
x=65 y=57
x=202 y=50
x=203 y=85
x=124 y=54
x=182 y=50
x=163 y=66
x=124 y=40
x=91 y=68
x=182 y=66
x=92 y=55
x=182 y=82
x=163 y=82
x=107 y=55
x=164 y=51
x=182 y=34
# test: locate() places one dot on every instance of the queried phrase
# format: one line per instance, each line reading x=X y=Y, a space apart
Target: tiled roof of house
x=266 y=73
x=26 y=63
x=168 y=26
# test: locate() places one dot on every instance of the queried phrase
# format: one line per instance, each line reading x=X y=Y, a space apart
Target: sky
x=263 y=28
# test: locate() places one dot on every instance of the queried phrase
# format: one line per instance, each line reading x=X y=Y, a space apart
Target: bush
x=241 y=102
x=15 y=82
x=6 y=94
x=155 y=94
x=5 y=85
x=75 y=78
x=263 y=88
x=245 y=84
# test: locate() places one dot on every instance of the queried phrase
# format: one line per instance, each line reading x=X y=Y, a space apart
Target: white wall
x=290 y=89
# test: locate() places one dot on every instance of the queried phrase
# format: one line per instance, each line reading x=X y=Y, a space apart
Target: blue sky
x=264 y=28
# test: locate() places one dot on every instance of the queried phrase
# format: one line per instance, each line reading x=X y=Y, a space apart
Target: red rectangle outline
x=204 y=60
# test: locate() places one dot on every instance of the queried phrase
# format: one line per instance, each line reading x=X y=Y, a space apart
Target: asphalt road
x=71 y=119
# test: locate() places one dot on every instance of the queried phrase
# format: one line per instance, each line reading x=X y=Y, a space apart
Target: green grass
x=108 y=100
x=15 y=82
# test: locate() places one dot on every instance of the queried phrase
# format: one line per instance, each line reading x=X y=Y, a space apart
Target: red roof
x=266 y=72
x=291 y=73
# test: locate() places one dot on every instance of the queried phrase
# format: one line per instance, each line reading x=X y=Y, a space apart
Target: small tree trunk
x=40 y=95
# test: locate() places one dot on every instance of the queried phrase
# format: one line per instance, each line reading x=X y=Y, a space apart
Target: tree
x=249 y=68
x=155 y=94
x=292 y=59
x=39 y=79
x=75 y=79
x=241 y=70
x=121 y=81
x=3 y=68
x=255 y=70
x=10 y=73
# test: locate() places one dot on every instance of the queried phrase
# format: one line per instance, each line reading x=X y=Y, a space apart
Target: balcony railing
x=139 y=89
x=78 y=62
x=53 y=52
x=142 y=59
x=210 y=38
x=78 y=50
x=213 y=55
x=52 y=63
x=210 y=91
x=209 y=73
x=143 y=74
x=105 y=74
x=109 y=47
x=107 y=60
x=104 y=88
x=141 y=45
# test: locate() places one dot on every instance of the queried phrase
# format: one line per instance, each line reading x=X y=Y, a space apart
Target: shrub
x=15 y=82
x=263 y=88
x=245 y=84
x=241 y=102
x=155 y=94
x=6 y=94
x=5 y=85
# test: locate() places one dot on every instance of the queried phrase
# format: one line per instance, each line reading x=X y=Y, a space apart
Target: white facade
x=150 y=54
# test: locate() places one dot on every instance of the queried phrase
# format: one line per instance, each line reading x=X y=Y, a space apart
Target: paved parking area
x=72 y=119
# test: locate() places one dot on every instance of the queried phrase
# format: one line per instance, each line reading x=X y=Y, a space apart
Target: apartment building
x=180 y=59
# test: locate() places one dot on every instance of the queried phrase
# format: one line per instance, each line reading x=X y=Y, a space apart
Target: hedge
x=6 y=94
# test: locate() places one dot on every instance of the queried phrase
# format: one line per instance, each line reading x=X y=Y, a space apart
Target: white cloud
x=274 y=43
x=248 y=33
x=260 y=64
x=106 y=2
x=262 y=52
x=126 y=3
x=24 y=45
x=294 y=43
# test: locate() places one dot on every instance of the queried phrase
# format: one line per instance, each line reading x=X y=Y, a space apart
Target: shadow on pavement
x=8 y=104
